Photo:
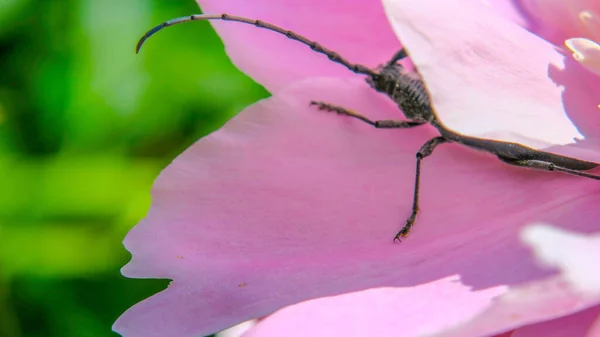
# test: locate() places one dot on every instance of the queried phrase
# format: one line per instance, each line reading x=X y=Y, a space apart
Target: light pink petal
x=570 y=298
x=286 y=204
x=501 y=82
x=576 y=255
x=358 y=30
x=510 y=9
x=238 y=330
x=414 y=311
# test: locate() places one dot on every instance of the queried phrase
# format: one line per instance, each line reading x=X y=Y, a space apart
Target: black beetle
x=408 y=91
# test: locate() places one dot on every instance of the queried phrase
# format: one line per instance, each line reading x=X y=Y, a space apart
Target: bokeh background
x=85 y=127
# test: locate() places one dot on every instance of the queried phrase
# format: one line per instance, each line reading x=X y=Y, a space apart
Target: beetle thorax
x=406 y=89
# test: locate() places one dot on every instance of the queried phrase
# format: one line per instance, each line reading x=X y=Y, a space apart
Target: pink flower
x=289 y=213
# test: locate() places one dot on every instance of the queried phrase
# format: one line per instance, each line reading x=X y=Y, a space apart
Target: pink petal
x=489 y=77
x=510 y=10
x=568 y=302
x=576 y=255
x=358 y=30
x=414 y=311
x=594 y=331
x=286 y=204
x=577 y=324
x=387 y=311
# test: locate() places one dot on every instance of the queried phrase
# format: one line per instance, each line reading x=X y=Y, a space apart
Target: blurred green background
x=85 y=127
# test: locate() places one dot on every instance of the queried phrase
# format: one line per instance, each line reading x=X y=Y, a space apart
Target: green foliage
x=85 y=127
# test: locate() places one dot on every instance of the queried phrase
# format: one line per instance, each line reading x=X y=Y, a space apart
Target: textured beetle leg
x=381 y=124
x=424 y=152
x=547 y=166
x=397 y=57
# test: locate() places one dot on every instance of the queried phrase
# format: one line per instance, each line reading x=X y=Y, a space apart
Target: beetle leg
x=380 y=124
x=424 y=152
x=547 y=166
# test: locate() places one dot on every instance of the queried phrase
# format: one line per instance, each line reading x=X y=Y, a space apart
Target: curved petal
x=578 y=324
x=569 y=300
x=380 y=312
x=386 y=311
x=285 y=204
x=490 y=78
x=357 y=29
x=576 y=255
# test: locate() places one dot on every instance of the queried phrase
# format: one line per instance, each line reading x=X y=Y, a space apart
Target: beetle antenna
x=333 y=56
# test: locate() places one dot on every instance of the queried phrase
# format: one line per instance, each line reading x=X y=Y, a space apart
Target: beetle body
x=408 y=91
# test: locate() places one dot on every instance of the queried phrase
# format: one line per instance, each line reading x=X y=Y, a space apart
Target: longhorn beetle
x=408 y=91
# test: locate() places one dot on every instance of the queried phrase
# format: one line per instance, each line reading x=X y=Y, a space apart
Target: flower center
x=587 y=50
